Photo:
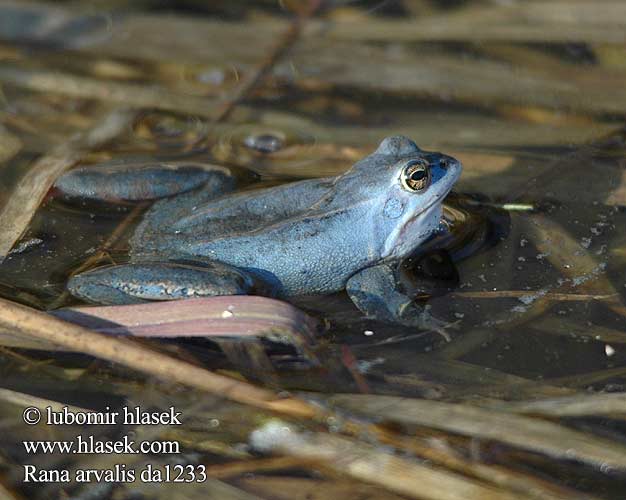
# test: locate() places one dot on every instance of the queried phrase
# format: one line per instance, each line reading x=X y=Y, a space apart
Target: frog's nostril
x=444 y=163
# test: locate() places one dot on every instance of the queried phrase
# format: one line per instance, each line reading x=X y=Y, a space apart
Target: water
x=536 y=291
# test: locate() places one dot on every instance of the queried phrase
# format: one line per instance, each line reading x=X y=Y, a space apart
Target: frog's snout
x=452 y=168
x=449 y=163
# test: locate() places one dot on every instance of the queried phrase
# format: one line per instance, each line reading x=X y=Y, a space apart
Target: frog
x=308 y=237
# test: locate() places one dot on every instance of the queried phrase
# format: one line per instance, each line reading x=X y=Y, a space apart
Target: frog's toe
x=143 y=181
x=420 y=317
x=136 y=283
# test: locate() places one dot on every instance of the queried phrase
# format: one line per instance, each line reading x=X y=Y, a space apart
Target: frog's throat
x=412 y=232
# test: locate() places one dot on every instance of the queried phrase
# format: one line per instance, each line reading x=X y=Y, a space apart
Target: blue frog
x=315 y=236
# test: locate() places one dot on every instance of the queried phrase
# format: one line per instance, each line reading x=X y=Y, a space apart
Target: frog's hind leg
x=150 y=281
x=133 y=180
x=163 y=214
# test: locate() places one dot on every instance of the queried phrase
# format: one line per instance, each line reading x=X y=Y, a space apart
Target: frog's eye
x=415 y=176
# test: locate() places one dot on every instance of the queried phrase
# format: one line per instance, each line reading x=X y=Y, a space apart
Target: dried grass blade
x=130 y=95
x=21 y=399
x=579 y=405
x=373 y=465
x=515 y=430
x=33 y=186
x=126 y=352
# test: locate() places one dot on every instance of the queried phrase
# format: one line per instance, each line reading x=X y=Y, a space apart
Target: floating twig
x=256 y=75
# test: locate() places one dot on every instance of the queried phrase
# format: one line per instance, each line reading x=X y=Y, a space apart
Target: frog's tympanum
x=315 y=236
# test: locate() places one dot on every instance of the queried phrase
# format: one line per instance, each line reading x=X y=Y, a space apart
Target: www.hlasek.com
x=85 y=444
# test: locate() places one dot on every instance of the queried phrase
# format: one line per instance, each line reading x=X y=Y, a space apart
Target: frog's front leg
x=142 y=282
x=142 y=181
x=376 y=292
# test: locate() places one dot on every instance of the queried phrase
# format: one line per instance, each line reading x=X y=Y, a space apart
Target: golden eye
x=416 y=175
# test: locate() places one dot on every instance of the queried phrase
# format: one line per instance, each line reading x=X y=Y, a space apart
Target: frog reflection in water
x=315 y=236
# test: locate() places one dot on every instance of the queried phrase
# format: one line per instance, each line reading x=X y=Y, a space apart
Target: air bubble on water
x=605 y=468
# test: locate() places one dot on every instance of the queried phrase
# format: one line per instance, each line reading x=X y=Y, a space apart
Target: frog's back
x=170 y=224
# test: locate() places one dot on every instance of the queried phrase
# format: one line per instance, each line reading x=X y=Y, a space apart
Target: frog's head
x=405 y=187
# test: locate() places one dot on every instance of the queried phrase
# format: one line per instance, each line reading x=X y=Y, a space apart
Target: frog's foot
x=375 y=292
x=142 y=282
x=142 y=181
x=420 y=317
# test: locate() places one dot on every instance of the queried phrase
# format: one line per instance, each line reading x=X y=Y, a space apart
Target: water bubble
x=264 y=143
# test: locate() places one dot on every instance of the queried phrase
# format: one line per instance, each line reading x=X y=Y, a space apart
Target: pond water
x=529 y=96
